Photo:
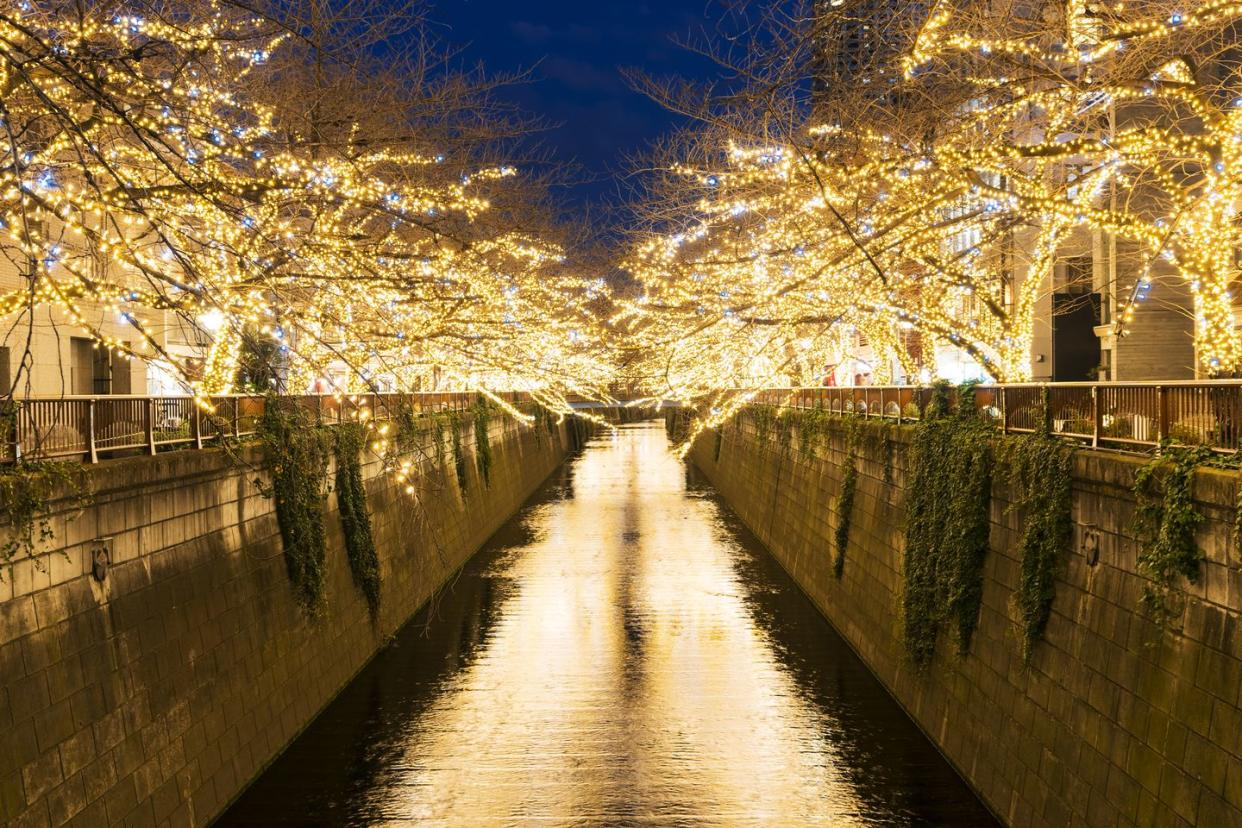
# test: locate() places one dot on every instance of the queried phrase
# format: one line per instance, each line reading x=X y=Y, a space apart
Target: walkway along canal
x=623 y=652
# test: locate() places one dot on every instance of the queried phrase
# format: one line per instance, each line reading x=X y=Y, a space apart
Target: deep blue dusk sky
x=578 y=48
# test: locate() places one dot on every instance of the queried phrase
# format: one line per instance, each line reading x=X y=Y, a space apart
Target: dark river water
x=623 y=652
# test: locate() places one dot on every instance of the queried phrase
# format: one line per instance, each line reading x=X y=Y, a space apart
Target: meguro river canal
x=623 y=652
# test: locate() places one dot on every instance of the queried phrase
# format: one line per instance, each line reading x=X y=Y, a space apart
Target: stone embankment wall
x=153 y=697
x=1110 y=724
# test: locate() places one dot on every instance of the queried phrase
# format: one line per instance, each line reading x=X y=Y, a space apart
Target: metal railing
x=1133 y=416
x=87 y=428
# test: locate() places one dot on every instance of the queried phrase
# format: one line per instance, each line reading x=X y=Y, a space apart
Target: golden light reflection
x=625 y=678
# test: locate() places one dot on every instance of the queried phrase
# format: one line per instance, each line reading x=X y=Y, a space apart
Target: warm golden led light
x=774 y=262
x=162 y=189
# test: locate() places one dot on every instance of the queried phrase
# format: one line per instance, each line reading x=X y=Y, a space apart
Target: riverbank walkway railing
x=1125 y=416
x=86 y=428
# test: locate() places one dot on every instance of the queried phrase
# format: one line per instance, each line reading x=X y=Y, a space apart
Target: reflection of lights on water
x=624 y=670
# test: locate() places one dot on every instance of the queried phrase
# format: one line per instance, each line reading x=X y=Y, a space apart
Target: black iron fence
x=90 y=427
x=1105 y=414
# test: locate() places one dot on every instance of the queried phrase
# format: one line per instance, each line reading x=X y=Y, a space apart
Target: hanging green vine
x=296 y=458
x=890 y=449
x=716 y=449
x=675 y=424
x=1165 y=524
x=947 y=507
x=405 y=433
x=1040 y=471
x=543 y=421
x=764 y=418
x=459 y=456
x=29 y=492
x=351 y=499
x=580 y=429
x=786 y=419
x=439 y=435
x=844 y=509
x=483 y=441
x=812 y=424
x=1237 y=514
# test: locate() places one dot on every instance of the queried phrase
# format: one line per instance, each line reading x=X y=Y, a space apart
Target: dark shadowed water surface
x=623 y=652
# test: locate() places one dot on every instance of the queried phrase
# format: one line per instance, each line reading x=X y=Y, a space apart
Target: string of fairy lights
x=142 y=182
x=773 y=261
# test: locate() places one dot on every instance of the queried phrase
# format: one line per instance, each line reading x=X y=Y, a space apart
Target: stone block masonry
x=154 y=697
x=1110 y=724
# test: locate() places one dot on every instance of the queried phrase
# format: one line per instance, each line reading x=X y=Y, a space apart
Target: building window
x=1078 y=277
x=96 y=371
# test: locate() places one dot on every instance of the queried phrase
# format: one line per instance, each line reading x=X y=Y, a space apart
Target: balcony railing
x=1126 y=416
x=87 y=428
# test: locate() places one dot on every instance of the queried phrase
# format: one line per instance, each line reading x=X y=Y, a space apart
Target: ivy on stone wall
x=459 y=456
x=948 y=483
x=1237 y=514
x=1040 y=476
x=785 y=427
x=439 y=435
x=1165 y=525
x=580 y=429
x=406 y=431
x=812 y=426
x=483 y=440
x=29 y=491
x=296 y=459
x=845 y=510
x=764 y=418
x=543 y=421
x=351 y=499
x=890 y=449
x=948 y=500
x=676 y=424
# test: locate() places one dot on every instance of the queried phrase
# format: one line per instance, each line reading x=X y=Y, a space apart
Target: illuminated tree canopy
x=927 y=202
x=225 y=172
x=143 y=172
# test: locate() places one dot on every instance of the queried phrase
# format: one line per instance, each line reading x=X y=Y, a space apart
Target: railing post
x=151 y=426
x=237 y=418
x=17 y=431
x=1004 y=409
x=1162 y=414
x=91 y=453
x=1096 y=414
x=1045 y=405
x=196 y=423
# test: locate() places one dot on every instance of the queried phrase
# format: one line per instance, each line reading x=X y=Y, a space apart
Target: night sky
x=578 y=48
